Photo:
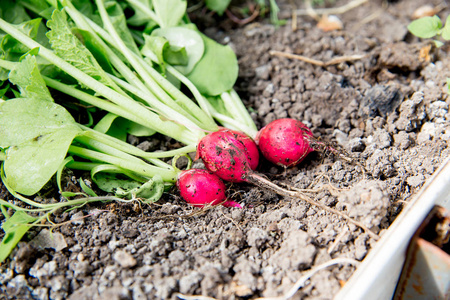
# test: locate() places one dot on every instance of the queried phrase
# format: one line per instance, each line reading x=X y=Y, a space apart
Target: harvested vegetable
x=202 y=188
x=248 y=144
x=285 y=142
x=228 y=159
x=104 y=66
x=131 y=75
x=230 y=155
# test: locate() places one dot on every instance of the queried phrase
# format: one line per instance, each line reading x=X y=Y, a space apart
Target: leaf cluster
x=125 y=64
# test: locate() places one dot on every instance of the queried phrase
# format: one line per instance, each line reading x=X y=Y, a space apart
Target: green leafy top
x=13 y=12
x=38 y=137
x=169 y=12
x=69 y=47
x=26 y=75
x=15 y=228
x=446 y=30
x=217 y=71
x=176 y=38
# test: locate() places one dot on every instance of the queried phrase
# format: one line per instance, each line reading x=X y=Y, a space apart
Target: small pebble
x=124 y=259
x=415 y=181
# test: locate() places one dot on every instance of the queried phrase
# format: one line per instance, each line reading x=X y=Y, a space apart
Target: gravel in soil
x=387 y=110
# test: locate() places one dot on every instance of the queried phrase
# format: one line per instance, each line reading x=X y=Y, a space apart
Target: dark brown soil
x=387 y=110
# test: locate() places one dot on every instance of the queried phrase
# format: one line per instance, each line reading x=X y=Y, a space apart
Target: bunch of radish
x=233 y=156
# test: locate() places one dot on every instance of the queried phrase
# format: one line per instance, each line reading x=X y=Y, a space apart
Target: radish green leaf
x=151 y=191
x=67 y=46
x=217 y=70
x=38 y=137
x=446 y=29
x=186 y=38
x=169 y=12
x=26 y=75
x=15 y=228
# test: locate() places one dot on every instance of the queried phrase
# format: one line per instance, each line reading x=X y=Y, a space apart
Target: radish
x=249 y=146
x=225 y=156
x=201 y=188
x=285 y=142
x=229 y=154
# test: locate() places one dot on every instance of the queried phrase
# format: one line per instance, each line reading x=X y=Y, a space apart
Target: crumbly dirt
x=387 y=111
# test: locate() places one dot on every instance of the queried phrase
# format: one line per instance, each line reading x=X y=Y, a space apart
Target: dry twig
x=337 y=240
x=241 y=22
x=309 y=11
x=334 y=61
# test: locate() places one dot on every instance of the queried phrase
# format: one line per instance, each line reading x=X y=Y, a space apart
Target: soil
x=387 y=110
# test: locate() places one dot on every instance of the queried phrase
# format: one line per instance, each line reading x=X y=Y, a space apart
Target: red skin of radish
x=249 y=146
x=201 y=188
x=225 y=155
x=285 y=142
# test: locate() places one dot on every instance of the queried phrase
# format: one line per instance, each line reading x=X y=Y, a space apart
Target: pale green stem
x=18 y=208
x=200 y=99
x=171 y=153
x=89 y=140
x=54 y=206
x=182 y=99
x=171 y=107
x=89 y=166
x=195 y=124
x=93 y=167
x=236 y=108
x=127 y=148
x=18 y=196
x=231 y=123
x=98 y=87
x=107 y=149
x=84 y=166
x=98 y=102
x=146 y=10
x=138 y=168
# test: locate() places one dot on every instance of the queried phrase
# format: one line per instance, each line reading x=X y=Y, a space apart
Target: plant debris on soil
x=386 y=110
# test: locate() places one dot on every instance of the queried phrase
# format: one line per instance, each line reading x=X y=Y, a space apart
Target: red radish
x=225 y=155
x=201 y=188
x=249 y=146
x=285 y=142
x=226 y=158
